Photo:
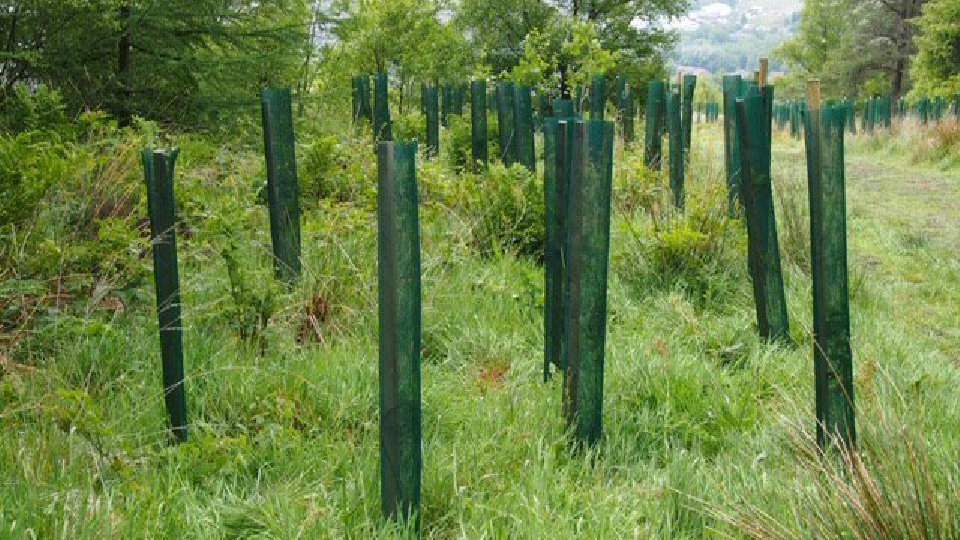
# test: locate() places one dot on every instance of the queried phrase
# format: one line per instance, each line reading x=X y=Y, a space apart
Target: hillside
x=731 y=35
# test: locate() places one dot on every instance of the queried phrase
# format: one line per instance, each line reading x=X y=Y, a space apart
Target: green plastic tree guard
x=627 y=114
x=653 y=141
x=588 y=242
x=398 y=243
x=689 y=86
x=282 y=199
x=523 y=127
x=478 y=123
x=763 y=255
x=731 y=142
x=923 y=109
x=431 y=103
x=382 y=125
x=553 y=272
x=543 y=111
x=506 y=95
x=158 y=173
x=366 y=110
x=598 y=97
x=563 y=108
x=445 y=105
x=676 y=148
x=851 y=110
x=356 y=89
x=832 y=356
x=564 y=174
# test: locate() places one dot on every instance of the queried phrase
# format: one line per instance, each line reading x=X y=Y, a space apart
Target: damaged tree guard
x=588 y=242
x=478 y=123
x=282 y=199
x=833 y=359
x=158 y=173
x=398 y=249
x=753 y=117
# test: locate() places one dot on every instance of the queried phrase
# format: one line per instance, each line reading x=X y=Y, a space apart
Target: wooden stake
x=813 y=94
x=764 y=72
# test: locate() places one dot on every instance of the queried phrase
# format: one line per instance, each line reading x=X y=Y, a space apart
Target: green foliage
x=410 y=126
x=698 y=252
x=937 y=67
x=254 y=297
x=25 y=109
x=853 y=46
x=636 y=187
x=508 y=211
x=194 y=62
x=540 y=42
x=29 y=165
x=457 y=146
x=405 y=37
x=336 y=170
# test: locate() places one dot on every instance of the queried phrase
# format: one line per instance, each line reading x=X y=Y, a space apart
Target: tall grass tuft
x=885 y=489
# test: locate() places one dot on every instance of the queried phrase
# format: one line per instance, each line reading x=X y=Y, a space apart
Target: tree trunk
x=896 y=86
x=124 y=114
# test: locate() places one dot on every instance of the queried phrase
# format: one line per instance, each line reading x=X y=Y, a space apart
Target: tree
x=405 y=38
x=175 y=60
x=936 y=70
x=852 y=45
x=626 y=30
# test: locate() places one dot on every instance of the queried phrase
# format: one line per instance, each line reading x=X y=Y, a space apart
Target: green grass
x=706 y=428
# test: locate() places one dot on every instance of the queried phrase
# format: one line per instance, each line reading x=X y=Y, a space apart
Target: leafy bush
x=410 y=126
x=337 y=171
x=940 y=145
x=30 y=163
x=458 y=144
x=508 y=211
x=254 y=298
x=24 y=109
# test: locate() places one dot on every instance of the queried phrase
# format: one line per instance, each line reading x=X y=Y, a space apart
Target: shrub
x=410 y=126
x=337 y=171
x=508 y=212
x=700 y=251
x=793 y=224
x=457 y=148
x=25 y=109
x=635 y=186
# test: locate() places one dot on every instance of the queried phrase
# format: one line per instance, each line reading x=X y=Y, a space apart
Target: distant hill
x=725 y=36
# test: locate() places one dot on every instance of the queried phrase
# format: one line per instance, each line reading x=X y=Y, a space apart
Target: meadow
x=709 y=431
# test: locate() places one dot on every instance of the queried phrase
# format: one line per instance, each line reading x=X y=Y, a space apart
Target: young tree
x=937 y=66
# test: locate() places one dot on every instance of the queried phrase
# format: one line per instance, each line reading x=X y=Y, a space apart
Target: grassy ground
x=707 y=429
